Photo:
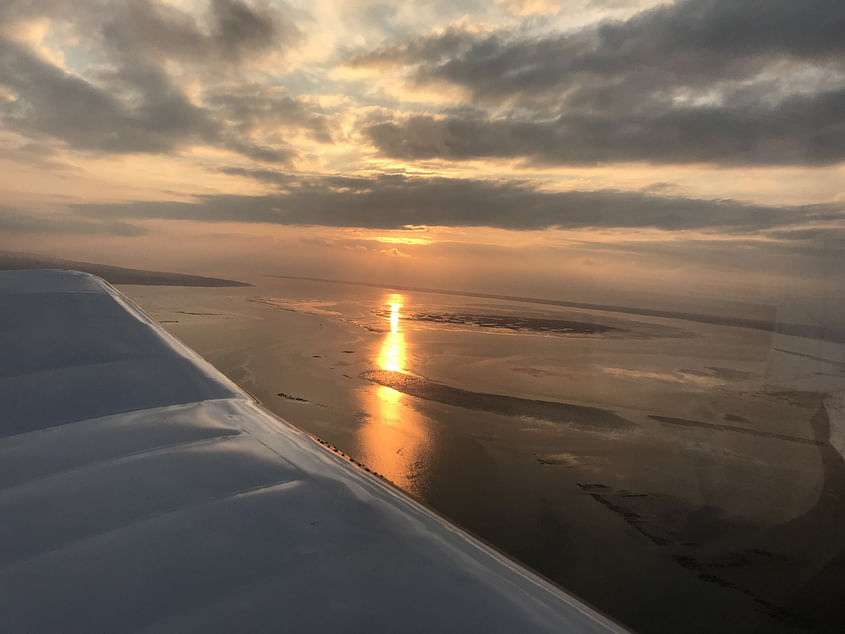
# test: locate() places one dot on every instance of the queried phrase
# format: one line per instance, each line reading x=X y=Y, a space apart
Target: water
x=677 y=474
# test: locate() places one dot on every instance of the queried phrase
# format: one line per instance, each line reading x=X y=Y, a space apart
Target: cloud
x=14 y=222
x=136 y=106
x=241 y=30
x=831 y=239
x=430 y=49
x=532 y=7
x=252 y=108
x=685 y=43
x=50 y=101
x=262 y=175
x=720 y=81
x=396 y=201
x=223 y=32
x=802 y=130
x=267 y=154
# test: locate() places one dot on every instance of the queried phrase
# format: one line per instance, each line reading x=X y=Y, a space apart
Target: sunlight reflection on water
x=395 y=438
x=391 y=356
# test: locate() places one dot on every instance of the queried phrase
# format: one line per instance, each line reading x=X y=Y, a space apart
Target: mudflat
x=678 y=475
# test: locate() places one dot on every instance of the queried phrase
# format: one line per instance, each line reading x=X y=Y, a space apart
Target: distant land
x=112 y=274
x=808 y=331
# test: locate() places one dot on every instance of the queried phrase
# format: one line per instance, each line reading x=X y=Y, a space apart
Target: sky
x=609 y=150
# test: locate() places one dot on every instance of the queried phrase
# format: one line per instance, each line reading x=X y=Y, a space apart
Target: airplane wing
x=141 y=490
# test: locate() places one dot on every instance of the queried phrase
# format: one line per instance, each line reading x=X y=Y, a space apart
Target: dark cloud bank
x=725 y=81
x=396 y=201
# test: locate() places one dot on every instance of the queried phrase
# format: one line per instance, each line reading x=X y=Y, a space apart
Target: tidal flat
x=677 y=474
x=565 y=413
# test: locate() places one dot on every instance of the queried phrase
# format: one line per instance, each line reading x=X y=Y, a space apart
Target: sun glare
x=391 y=355
x=395 y=438
x=395 y=240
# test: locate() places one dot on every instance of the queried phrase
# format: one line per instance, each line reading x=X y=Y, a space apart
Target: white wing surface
x=140 y=490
